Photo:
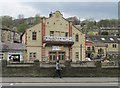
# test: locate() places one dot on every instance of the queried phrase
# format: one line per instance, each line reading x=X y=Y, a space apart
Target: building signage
x=54 y=38
x=57 y=48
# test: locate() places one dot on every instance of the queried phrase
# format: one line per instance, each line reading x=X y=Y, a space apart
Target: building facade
x=11 y=48
x=54 y=38
x=103 y=46
x=110 y=31
x=13 y=52
x=9 y=36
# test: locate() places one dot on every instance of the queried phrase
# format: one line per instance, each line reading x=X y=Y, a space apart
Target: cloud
x=60 y=0
x=14 y=9
x=96 y=10
x=84 y=10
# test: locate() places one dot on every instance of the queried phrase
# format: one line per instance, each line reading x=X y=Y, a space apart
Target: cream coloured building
x=107 y=46
x=54 y=38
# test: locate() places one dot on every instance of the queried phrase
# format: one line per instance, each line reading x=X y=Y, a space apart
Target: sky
x=83 y=10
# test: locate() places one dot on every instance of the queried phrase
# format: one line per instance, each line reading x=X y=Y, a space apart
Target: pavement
x=59 y=80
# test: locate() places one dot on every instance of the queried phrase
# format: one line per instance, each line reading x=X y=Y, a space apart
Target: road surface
x=38 y=81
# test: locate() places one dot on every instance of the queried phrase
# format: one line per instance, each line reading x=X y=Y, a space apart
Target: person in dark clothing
x=58 y=70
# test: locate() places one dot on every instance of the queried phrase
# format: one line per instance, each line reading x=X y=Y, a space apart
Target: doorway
x=53 y=56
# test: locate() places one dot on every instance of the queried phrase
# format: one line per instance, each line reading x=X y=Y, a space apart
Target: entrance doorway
x=53 y=56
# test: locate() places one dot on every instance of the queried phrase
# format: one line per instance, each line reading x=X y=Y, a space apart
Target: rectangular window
x=76 y=55
x=88 y=48
x=76 y=38
x=1 y=56
x=93 y=49
x=66 y=34
x=32 y=55
x=34 y=35
x=51 y=33
x=114 y=46
x=61 y=55
x=8 y=37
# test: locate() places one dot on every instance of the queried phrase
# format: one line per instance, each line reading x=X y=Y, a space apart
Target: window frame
x=51 y=33
x=34 y=35
x=77 y=55
x=77 y=38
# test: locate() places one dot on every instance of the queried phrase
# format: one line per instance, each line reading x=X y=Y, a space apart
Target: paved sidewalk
x=58 y=80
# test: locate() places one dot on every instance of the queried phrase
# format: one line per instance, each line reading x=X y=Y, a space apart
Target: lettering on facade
x=54 y=38
x=57 y=48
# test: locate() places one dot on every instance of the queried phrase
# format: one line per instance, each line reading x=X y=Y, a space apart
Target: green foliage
x=7 y=21
x=37 y=19
x=36 y=63
x=108 y=23
x=21 y=27
x=91 y=25
x=68 y=63
x=74 y=20
x=91 y=33
x=88 y=25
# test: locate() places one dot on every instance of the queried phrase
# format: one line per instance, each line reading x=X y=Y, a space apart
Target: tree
x=7 y=21
x=88 y=25
x=103 y=23
x=37 y=18
x=108 y=23
x=74 y=20
x=91 y=33
x=21 y=27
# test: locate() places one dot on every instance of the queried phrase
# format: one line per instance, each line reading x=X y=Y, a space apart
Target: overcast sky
x=83 y=10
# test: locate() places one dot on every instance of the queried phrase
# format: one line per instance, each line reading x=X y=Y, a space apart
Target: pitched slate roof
x=100 y=44
x=12 y=46
x=104 y=39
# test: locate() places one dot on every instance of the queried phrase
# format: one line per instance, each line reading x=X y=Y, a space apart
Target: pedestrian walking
x=57 y=70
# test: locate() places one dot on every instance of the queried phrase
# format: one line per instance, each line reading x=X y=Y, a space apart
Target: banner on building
x=57 y=48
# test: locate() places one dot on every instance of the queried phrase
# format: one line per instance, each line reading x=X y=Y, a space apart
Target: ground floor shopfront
x=50 y=53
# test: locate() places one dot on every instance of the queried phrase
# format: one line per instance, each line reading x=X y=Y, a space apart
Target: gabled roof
x=76 y=26
x=100 y=45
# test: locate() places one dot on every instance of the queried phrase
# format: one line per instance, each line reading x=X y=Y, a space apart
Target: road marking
x=60 y=84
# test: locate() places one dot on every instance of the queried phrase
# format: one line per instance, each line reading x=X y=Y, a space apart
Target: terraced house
x=54 y=38
x=105 y=46
x=11 y=48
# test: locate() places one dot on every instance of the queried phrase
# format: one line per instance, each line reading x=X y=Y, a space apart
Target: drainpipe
x=80 y=52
